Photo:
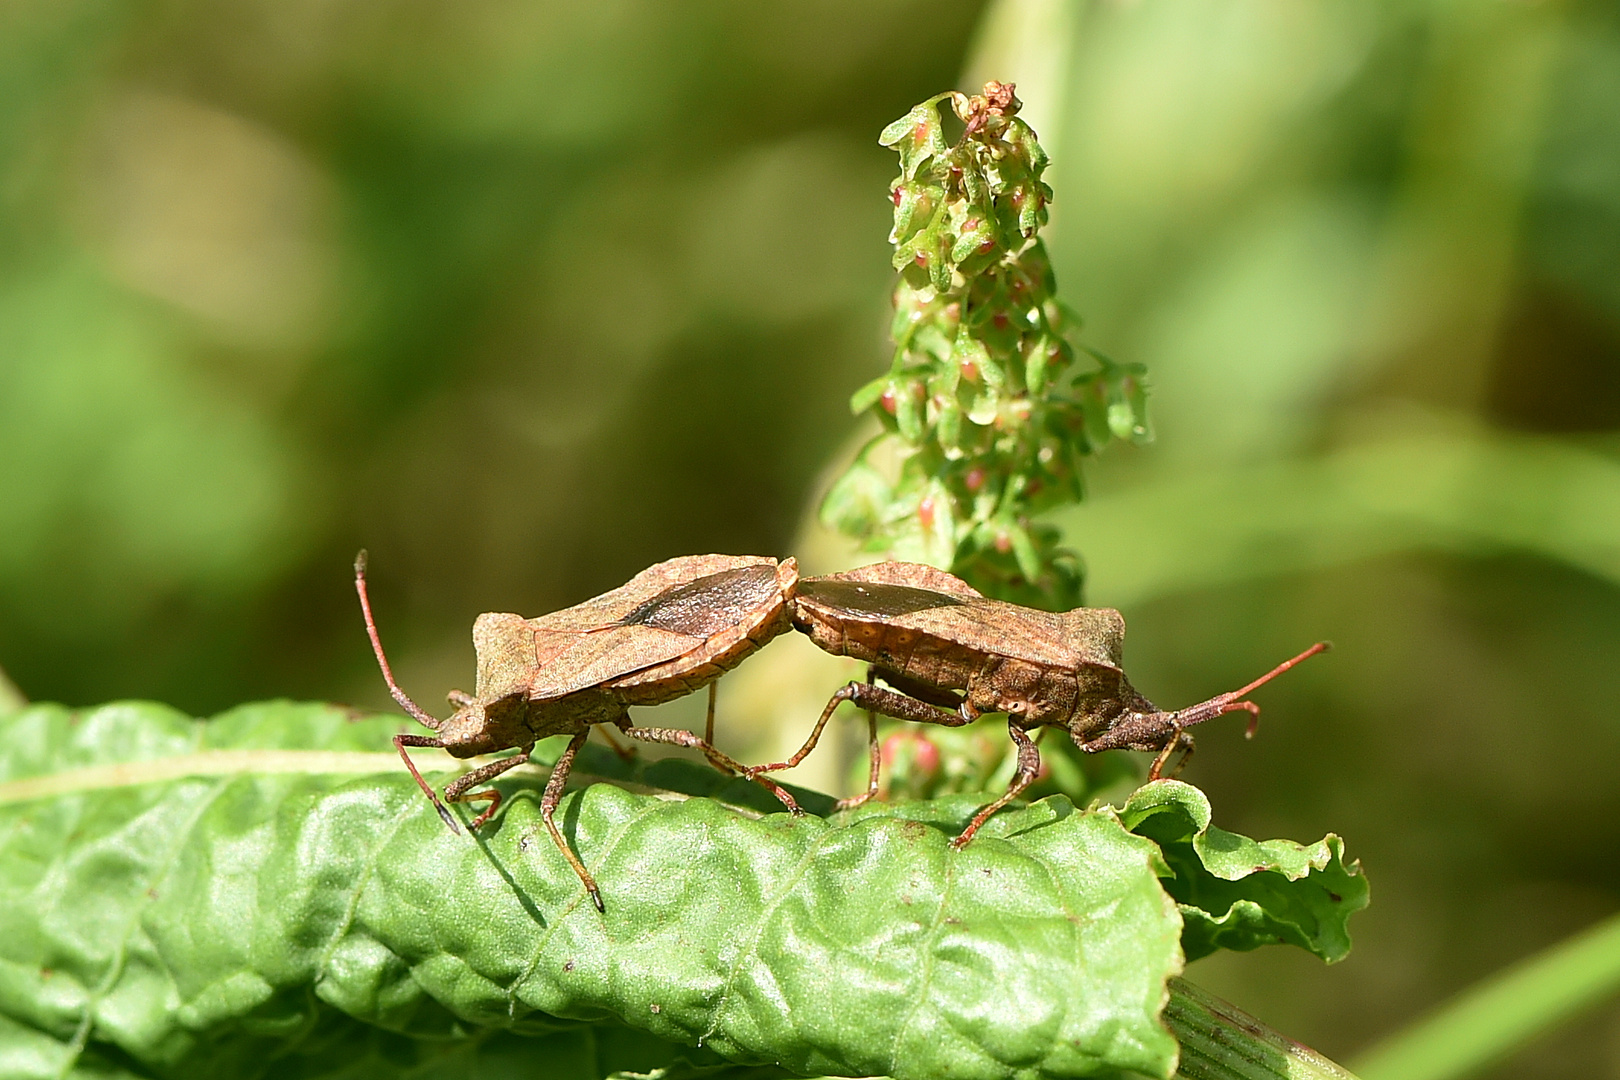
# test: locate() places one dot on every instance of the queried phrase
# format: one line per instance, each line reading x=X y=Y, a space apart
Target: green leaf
x=969 y=349
x=189 y=897
x=1237 y=893
x=1035 y=368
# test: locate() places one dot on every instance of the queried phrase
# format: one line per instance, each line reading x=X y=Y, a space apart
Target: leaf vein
x=765 y=917
x=396 y=822
x=568 y=909
x=928 y=957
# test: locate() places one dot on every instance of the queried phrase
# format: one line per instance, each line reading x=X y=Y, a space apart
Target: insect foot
x=950 y=655
x=674 y=628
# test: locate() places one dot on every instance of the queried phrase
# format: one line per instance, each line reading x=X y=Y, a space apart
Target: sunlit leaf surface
x=250 y=921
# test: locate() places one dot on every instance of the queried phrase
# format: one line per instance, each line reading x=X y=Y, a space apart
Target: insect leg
x=1029 y=766
x=708 y=725
x=625 y=752
x=1170 y=745
x=1186 y=754
x=548 y=806
x=459 y=698
x=401 y=741
x=721 y=761
x=458 y=789
x=876 y=699
x=874 y=752
x=708 y=731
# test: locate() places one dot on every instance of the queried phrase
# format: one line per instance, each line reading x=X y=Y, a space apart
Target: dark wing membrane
x=866 y=600
x=609 y=608
x=914 y=575
x=704 y=607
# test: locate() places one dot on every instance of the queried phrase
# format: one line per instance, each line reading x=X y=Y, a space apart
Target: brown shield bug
x=672 y=629
x=951 y=654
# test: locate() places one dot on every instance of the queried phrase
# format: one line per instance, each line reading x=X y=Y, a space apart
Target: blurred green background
x=526 y=296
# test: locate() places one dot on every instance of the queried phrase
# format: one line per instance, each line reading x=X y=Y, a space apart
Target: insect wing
x=1084 y=637
x=915 y=575
x=662 y=615
x=1068 y=641
x=711 y=604
x=592 y=659
x=612 y=608
x=873 y=601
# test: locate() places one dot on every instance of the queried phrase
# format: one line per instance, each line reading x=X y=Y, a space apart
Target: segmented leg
x=874 y=753
x=708 y=730
x=726 y=764
x=708 y=724
x=1029 y=766
x=401 y=741
x=421 y=715
x=875 y=699
x=461 y=699
x=1184 y=742
x=458 y=790
x=624 y=751
x=548 y=807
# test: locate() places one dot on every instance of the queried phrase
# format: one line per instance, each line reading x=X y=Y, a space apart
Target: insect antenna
x=422 y=716
x=1232 y=702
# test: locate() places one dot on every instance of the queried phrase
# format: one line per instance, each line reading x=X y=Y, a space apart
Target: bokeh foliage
x=525 y=297
x=519 y=296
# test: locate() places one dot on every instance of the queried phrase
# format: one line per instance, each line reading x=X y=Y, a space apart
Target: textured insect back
x=988 y=407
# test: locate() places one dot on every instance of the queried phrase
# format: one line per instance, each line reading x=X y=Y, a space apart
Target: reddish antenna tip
x=1319 y=647
x=1233 y=701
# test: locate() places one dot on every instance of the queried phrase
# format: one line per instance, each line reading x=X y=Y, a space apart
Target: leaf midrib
x=217 y=763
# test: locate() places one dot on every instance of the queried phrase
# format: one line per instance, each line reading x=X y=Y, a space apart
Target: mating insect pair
x=947 y=653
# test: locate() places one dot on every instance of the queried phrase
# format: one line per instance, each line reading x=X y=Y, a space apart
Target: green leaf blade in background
x=224 y=921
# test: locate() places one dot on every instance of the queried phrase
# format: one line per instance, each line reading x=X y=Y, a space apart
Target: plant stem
x=1219 y=1041
x=1493 y=1017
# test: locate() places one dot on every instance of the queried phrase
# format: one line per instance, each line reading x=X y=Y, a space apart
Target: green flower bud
x=990 y=424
